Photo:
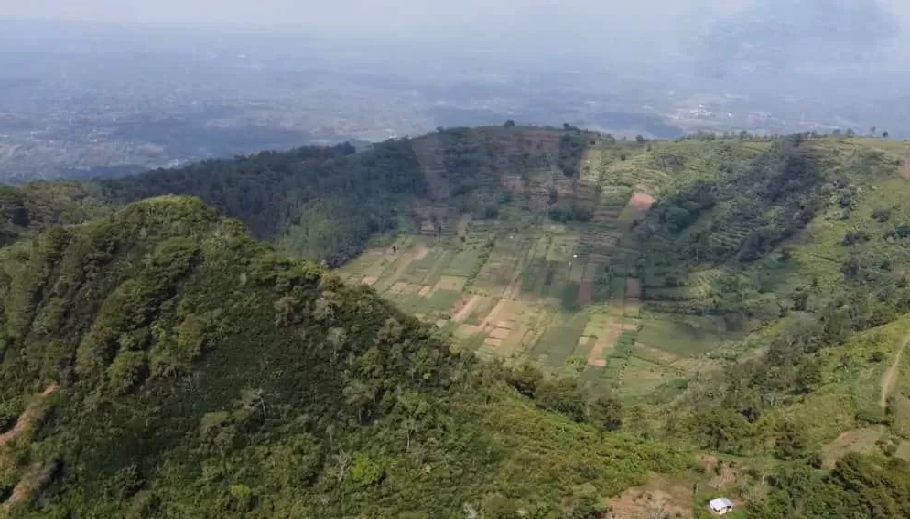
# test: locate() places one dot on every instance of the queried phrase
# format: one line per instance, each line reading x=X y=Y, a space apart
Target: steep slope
x=161 y=363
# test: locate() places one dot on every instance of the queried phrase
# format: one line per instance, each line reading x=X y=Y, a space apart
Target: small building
x=720 y=505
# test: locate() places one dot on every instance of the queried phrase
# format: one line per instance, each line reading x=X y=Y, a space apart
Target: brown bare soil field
x=606 y=339
x=858 y=440
x=500 y=333
x=657 y=498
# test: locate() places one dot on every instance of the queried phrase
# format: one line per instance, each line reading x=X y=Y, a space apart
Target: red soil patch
x=642 y=201
x=905 y=170
x=420 y=252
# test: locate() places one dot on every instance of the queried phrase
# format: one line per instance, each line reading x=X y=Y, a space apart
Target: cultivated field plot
x=565 y=296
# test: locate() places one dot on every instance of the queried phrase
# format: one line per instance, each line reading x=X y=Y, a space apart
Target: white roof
x=720 y=502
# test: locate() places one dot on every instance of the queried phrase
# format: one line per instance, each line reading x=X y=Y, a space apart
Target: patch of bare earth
x=34 y=481
x=891 y=373
x=26 y=418
x=502 y=309
x=658 y=498
x=606 y=339
x=502 y=312
x=420 y=252
x=858 y=440
x=905 y=170
x=369 y=280
x=637 y=207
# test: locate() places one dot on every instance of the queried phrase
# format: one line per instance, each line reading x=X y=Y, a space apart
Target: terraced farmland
x=569 y=296
x=528 y=296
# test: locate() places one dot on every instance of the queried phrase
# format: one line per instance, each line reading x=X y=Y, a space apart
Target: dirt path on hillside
x=26 y=417
x=891 y=373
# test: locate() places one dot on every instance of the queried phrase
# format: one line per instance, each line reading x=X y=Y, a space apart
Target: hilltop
x=739 y=298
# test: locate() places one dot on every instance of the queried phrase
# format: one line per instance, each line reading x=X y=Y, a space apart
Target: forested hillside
x=702 y=317
x=161 y=363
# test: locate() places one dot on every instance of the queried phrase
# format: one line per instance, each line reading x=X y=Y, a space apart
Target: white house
x=720 y=505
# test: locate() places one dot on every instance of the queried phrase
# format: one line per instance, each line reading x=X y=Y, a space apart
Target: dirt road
x=891 y=373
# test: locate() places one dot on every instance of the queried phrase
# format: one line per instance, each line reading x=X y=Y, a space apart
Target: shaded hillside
x=329 y=200
x=327 y=203
x=36 y=206
x=185 y=370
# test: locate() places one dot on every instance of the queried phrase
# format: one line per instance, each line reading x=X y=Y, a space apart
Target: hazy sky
x=373 y=15
x=593 y=26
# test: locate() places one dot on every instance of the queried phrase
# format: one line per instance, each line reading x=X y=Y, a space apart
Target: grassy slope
x=201 y=375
